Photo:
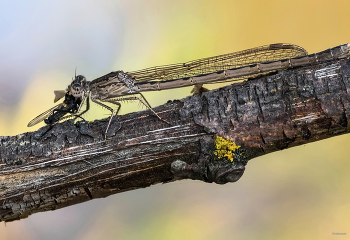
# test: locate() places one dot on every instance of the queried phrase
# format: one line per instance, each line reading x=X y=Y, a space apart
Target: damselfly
x=119 y=86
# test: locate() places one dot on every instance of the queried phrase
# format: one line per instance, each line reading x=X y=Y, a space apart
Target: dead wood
x=71 y=163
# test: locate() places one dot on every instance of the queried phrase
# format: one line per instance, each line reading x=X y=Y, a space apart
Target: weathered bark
x=71 y=163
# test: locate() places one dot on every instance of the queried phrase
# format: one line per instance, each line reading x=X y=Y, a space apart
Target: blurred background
x=298 y=193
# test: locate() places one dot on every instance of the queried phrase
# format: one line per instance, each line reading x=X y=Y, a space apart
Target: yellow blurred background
x=298 y=193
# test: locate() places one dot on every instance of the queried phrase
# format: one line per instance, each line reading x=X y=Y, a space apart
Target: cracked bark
x=71 y=163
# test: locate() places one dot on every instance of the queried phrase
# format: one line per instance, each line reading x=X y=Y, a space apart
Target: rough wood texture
x=71 y=163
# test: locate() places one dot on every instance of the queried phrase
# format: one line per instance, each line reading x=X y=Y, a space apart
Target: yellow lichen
x=225 y=148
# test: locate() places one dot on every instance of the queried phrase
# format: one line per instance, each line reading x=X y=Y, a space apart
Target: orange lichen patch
x=225 y=148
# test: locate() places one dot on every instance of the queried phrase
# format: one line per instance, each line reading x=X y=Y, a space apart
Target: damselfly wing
x=267 y=53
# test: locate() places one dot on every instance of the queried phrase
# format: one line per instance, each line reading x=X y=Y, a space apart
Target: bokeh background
x=298 y=193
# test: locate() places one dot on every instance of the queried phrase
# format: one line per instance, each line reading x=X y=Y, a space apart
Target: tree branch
x=71 y=163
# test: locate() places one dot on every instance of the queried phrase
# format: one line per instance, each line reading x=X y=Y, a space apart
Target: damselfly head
x=76 y=88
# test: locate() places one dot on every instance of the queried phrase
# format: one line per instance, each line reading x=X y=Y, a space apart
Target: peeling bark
x=71 y=163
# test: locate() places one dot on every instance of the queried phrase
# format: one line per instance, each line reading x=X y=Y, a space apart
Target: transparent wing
x=44 y=115
x=267 y=53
